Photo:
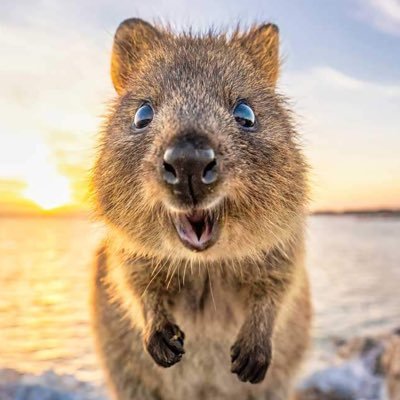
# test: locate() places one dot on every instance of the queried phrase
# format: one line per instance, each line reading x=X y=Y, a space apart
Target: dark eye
x=144 y=115
x=244 y=115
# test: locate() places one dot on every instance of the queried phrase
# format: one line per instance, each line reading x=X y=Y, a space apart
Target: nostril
x=210 y=173
x=169 y=174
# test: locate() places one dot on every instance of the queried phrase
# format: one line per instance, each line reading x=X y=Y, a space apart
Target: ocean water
x=354 y=266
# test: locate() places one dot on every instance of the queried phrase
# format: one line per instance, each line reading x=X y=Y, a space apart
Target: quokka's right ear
x=262 y=45
x=133 y=38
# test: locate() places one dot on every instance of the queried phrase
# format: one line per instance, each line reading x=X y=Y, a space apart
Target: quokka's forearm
x=162 y=338
x=252 y=352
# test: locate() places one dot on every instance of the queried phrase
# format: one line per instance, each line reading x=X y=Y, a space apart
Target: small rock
x=350 y=381
x=37 y=392
x=47 y=386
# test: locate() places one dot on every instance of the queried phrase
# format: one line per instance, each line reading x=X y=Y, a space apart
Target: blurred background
x=341 y=71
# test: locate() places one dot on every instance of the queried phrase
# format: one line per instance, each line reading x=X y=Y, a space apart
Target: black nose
x=190 y=167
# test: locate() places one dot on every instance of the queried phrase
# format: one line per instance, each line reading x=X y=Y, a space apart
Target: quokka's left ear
x=133 y=39
x=262 y=44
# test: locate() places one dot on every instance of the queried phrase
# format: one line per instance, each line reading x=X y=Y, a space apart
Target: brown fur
x=248 y=293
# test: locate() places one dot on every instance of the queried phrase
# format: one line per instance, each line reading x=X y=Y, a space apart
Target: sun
x=45 y=186
x=49 y=191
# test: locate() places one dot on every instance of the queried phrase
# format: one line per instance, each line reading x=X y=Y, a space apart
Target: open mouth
x=196 y=230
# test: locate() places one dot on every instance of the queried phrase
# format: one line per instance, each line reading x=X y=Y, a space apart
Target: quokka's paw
x=250 y=363
x=165 y=344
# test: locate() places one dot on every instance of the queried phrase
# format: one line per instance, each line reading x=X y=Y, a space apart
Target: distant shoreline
x=364 y=213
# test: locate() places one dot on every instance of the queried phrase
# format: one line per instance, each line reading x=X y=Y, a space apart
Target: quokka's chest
x=209 y=307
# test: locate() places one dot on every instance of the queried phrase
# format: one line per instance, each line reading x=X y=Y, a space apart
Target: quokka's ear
x=262 y=45
x=133 y=38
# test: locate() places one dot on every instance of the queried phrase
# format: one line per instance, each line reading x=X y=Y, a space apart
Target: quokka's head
x=198 y=159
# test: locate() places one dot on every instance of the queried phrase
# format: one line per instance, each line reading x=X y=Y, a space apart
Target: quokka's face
x=197 y=158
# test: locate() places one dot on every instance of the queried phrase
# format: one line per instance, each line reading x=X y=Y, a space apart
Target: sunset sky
x=341 y=69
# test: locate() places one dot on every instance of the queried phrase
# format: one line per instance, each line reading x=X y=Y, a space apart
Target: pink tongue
x=187 y=232
x=196 y=216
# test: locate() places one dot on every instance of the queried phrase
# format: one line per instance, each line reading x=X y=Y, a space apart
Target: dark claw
x=166 y=345
x=239 y=365
x=250 y=365
x=259 y=375
x=235 y=350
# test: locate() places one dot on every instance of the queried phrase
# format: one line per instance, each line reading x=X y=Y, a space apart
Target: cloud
x=351 y=130
x=383 y=14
